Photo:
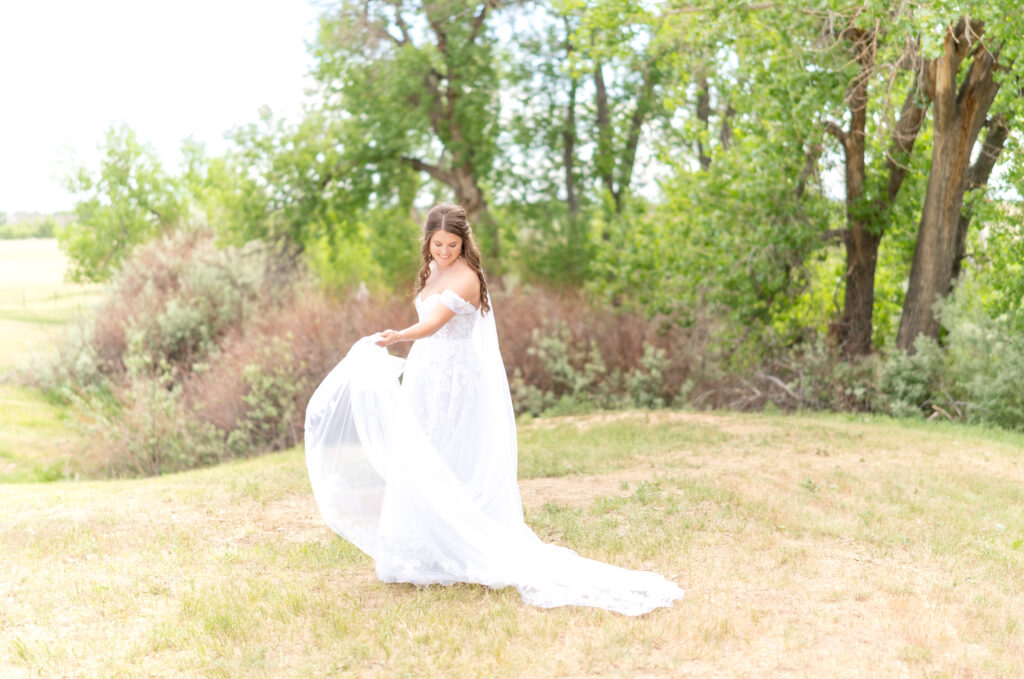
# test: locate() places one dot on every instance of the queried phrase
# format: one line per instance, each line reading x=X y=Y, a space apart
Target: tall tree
x=868 y=208
x=962 y=82
x=626 y=51
x=416 y=85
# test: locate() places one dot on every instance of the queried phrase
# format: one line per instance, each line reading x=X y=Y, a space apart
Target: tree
x=740 y=214
x=869 y=208
x=416 y=89
x=962 y=103
x=129 y=201
x=626 y=49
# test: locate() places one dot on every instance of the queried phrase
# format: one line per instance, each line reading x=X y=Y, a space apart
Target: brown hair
x=451 y=218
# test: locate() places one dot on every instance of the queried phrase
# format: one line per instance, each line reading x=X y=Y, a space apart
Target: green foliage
x=705 y=193
x=998 y=257
x=39 y=227
x=274 y=392
x=409 y=89
x=574 y=377
x=985 y=359
x=911 y=384
x=731 y=240
x=130 y=200
x=145 y=429
x=543 y=242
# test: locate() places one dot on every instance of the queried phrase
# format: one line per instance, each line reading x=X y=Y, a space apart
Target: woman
x=421 y=475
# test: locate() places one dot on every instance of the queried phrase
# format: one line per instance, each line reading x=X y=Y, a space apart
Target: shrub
x=911 y=384
x=255 y=392
x=985 y=361
x=565 y=355
x=167 y=310
x=143 y=429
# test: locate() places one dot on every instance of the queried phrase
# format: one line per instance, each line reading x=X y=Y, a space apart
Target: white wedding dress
x=421 y=474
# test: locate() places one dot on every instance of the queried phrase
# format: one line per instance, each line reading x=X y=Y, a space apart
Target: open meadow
x=35 y=306
x=808 y=545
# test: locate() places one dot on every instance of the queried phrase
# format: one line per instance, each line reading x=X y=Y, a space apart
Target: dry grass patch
x=808 y=546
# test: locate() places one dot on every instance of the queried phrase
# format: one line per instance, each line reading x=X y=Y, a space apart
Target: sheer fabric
x=421 y=475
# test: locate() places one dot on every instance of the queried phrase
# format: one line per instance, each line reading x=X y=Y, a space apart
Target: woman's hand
x=389 y=337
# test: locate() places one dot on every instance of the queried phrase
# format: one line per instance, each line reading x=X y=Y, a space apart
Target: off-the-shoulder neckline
x=421 y=298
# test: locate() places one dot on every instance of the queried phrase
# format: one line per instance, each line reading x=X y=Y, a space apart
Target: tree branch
x=402 y=26
x=636 y=123
x=833 y=128
x=903 y=138
x=813 y=153
x=446 y=178
x=478 y=20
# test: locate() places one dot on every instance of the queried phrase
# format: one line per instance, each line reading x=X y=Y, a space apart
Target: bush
x=255 y=393
x=167 y=309
x=144 y=429
x=914 y=384
x=565 y=355
x=202 y=355
x=984 y=362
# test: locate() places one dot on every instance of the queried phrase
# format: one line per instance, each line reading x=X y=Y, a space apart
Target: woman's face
x=445 y=248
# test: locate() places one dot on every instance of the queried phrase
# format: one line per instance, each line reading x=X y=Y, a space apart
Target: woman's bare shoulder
x=465 y=283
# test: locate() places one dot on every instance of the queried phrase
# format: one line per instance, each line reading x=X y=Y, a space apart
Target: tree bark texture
x=866 y=224
x=978 y=177
x=704 y=116
x=959 y=116
x=854 y=327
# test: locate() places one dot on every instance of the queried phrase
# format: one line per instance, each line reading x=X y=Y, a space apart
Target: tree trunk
x=864 y=237
x=959 y=116
x=704 y=116
x=725 y=134
x=978 y=178
x=469 y=195
x=605 y=160
x=866 y=223
x=854 y=327
x=569 y=137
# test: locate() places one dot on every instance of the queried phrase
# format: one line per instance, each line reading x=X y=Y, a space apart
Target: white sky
x=71 y=68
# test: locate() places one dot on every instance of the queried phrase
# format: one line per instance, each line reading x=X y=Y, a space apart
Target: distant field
x=35 y=306
x=35 y=301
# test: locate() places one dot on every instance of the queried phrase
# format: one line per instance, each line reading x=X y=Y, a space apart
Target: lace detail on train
x=421 y=475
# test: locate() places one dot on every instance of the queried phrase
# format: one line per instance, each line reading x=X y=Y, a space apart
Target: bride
x=420 y=474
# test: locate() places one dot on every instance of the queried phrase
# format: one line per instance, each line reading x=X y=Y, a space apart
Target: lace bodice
x=461 y=326
x=442 y=379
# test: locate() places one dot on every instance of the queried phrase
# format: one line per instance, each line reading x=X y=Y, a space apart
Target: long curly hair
x=452 y=218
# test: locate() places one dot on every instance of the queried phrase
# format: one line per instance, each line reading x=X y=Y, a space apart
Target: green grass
x=35 y=306
x=808 y=545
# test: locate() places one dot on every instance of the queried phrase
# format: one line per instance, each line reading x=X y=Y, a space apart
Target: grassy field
x=35 y=306
x=35 y=301
x=809 y=546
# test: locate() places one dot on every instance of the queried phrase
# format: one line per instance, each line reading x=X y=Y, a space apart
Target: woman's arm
x=465 y=286
x=425 y=328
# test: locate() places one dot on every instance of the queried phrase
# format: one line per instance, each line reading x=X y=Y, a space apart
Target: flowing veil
x=380 y=484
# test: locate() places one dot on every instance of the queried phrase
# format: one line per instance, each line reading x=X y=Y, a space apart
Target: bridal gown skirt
x=421 y=474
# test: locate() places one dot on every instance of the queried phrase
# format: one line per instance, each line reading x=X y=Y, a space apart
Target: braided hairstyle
x=451 y=218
